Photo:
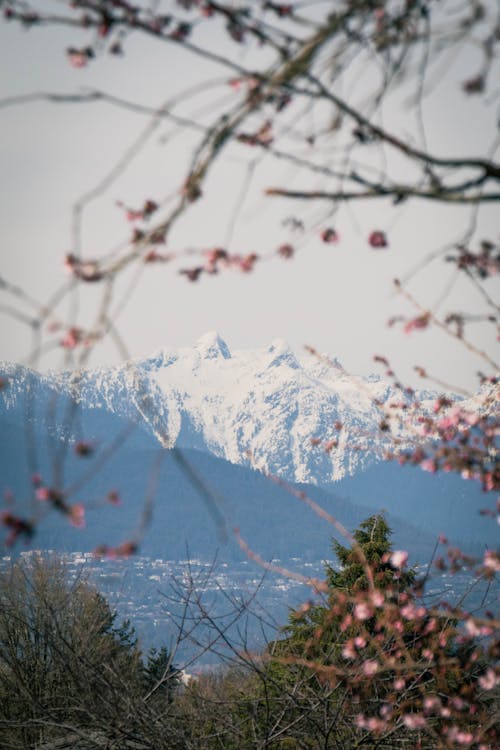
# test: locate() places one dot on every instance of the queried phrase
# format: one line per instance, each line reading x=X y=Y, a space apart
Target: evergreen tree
x=373 y=537
x=160 y=677
x=316 y=629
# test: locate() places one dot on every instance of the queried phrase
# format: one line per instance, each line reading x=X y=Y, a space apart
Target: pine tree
x=373 y=537
x=160 y=677
x=316 y=629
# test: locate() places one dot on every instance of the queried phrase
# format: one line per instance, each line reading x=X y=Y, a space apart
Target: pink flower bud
x=377 y=239
x=370 y=667
x=77 y=515
x=362 y=611
x=399 y=558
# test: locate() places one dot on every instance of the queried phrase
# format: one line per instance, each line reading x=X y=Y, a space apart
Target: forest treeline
x=364 y=663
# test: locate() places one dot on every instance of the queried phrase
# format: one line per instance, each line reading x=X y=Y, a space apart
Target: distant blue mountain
x=213 y=408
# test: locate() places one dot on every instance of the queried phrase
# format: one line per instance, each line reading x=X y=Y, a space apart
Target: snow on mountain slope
x=262 y=407
x=268 y=403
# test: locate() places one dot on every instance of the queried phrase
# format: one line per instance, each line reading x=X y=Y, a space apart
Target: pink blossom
x=414 y=721
x=460 y=737
x=440 y=403
x=362 y=611
x=247 y=263
x=348 y=651
x=431 y=702
x=370 y=667
x=458 y=703
x=52 y=495
x=399 y=558
x=329 y=235
x=72 y=338
x=88 y=271
x=472 y=629
x=418 y=323
x=378 y=239
x=133 y=214
x=372 y=723
x=446 y=422
x=386 y=710
x=152 y=256
x=489 y=482
x=429 y=464
x=377 y=598
x=85 y=270
x=77 y=515
x=286 y=251
x=489 y=679
x=491 y=560
x=77 y=58
x=214 y=255
x=412 y=612
x=399 y=684
x=471 y=419
x=375 y=725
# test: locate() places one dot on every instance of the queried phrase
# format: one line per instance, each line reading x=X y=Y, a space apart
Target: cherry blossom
x=414 y=721
x=399 y=558
x=489 y=679
x=78 y=58
x=77 y=515
x=329 y=235
x=418 y=323
x=72 y=338
x=378 y=239
x=370 y=667
x=362 y=611
x=286 y=251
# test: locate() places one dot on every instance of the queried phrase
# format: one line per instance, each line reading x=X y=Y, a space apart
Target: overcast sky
x=335 y=297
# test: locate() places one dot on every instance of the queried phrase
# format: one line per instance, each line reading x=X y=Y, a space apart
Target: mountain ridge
x=265 y=409
x=263 y=406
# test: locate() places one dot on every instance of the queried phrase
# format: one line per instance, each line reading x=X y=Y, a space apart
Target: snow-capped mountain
x=229 y=412
x=265 y=407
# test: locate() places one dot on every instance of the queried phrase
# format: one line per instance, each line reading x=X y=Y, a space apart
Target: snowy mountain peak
x=212 y=346
x=280 y=408
x=279 y=354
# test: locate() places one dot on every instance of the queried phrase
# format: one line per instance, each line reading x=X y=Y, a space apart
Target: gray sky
x=336 y=297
